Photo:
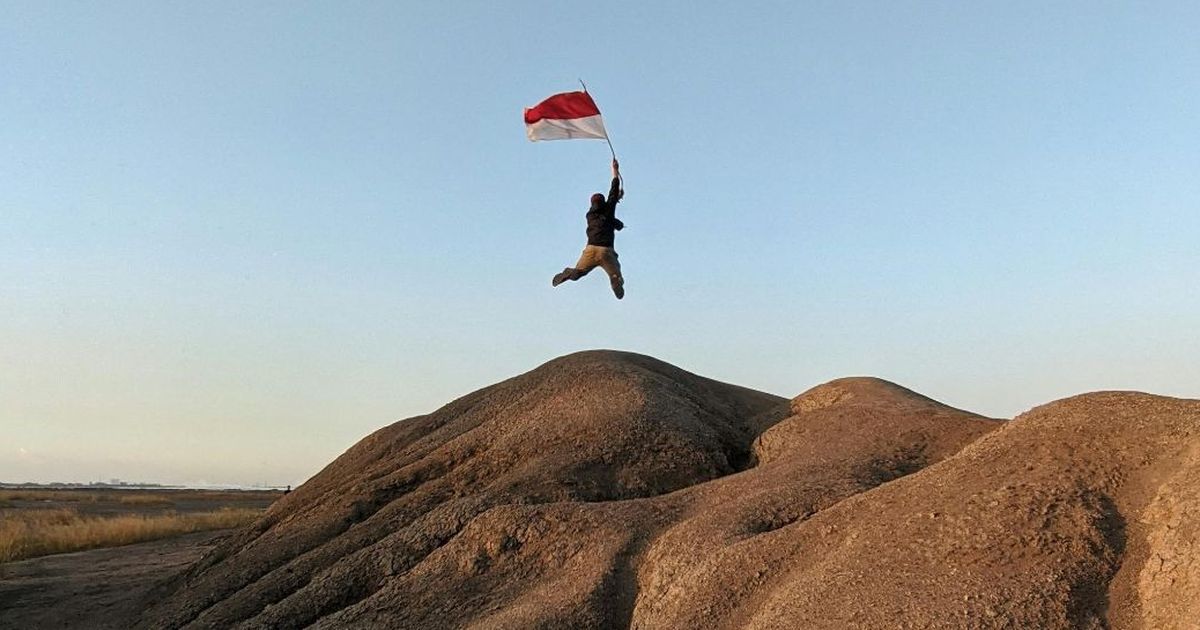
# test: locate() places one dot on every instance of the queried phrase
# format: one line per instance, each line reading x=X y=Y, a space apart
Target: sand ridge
x=611 y=490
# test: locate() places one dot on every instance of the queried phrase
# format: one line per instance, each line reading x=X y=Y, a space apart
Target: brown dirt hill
x=1078 y=514
x=862 y=505
x=593 y=426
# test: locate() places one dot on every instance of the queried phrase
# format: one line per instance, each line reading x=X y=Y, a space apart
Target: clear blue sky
x=236 y=237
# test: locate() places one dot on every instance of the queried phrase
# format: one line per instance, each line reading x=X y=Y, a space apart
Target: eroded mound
x=610 y=490
x=1045 y=523
x=593 y=426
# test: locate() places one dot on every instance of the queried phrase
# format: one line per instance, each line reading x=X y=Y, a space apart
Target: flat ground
x=148 y=502
x=100 y=589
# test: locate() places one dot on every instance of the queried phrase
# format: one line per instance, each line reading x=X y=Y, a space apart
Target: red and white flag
x=563 y=117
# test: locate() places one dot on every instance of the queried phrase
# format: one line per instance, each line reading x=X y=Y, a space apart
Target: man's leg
x=588 y=261
x=568 y=273
x=612 y=266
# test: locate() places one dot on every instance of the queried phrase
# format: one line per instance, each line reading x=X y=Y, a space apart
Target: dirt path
x=92 y=589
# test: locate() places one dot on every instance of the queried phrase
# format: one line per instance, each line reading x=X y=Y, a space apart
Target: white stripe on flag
x=566 y=129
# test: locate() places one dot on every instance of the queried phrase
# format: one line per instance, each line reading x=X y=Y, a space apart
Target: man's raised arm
x=614 y=192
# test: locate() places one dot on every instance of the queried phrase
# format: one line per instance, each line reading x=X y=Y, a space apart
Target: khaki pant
x=595 y=256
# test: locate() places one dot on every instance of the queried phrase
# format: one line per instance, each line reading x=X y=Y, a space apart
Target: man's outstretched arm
x=614 y=192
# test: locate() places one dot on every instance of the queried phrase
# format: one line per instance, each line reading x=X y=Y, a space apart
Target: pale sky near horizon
x=237 y=237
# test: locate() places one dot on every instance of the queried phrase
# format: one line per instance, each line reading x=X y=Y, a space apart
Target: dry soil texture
x=611 y=490
x=93 y=590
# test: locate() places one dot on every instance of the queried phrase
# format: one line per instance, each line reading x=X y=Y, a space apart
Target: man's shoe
x=618 y=288
x=561 y=277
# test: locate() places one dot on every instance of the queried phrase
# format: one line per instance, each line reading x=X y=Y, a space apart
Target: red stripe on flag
x=560 y=106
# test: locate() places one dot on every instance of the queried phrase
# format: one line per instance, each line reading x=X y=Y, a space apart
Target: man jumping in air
x=601 y=222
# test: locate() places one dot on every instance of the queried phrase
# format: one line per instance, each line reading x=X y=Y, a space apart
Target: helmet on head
x=597 y=199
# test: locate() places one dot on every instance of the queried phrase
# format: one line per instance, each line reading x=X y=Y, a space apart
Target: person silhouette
x=602 y=223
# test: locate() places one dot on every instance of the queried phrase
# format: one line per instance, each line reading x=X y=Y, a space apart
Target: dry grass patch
x=228 y=496
x=31 y=533
x=46 y=495
x=139 y=499
x=134 y=497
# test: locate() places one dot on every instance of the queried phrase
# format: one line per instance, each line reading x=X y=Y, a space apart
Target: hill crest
x=607 y=489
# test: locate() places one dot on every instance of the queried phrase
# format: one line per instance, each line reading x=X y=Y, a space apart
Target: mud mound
x=1047 y=523
x=610 y=490
x=593 y=426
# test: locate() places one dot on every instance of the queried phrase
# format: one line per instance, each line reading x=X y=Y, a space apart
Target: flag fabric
x=565 y=116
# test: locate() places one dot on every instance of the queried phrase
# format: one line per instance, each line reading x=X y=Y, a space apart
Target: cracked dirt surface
x=611 y=490
x=97 y=589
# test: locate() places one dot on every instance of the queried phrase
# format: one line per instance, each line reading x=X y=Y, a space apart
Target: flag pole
x=610 y=146
x=606 y=139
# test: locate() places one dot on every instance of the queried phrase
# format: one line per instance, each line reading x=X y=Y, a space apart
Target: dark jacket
x=602 y=219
